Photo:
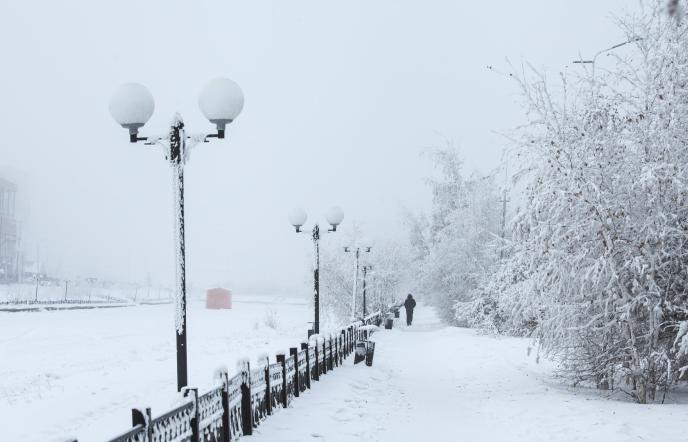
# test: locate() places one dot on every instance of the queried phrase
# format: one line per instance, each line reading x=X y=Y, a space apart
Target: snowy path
x=431 y=382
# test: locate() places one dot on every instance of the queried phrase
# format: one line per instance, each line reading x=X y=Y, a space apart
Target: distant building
x=218 y=298
x=9 y=233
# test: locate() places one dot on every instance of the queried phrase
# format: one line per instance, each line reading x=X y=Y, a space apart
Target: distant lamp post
x=366 y=268
x=603 y=51
x=297 y=218
x=132 y=105
x=357 y=255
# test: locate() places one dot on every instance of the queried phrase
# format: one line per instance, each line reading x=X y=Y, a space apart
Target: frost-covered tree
x=457 y=246
x=599 y=261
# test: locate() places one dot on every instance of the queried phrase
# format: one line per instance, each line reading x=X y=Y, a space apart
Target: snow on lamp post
x=357 y=255
x=297 y=218
x=132 y=105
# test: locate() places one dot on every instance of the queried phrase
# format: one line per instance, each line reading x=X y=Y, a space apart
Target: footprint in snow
x=341 y=419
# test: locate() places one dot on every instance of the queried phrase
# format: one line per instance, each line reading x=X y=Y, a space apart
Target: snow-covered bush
x=498 y=306
x=271 y=319
x=599 y=260
x=682 y=345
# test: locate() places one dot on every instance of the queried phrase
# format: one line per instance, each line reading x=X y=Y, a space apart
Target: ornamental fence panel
x=243 y=401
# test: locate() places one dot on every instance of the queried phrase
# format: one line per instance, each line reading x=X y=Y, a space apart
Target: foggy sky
x=341 y=98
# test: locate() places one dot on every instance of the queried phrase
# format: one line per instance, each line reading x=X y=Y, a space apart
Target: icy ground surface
x=78 y=373
x=435 y=383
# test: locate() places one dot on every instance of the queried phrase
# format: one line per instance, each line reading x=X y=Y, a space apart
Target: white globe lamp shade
x=334 y=216
x=221 y=101
x=132 y=105
x=297 y=217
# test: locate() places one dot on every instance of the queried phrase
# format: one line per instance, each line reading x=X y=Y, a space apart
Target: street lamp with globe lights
x=357 y=256
x=297 y=218
x=131 y=106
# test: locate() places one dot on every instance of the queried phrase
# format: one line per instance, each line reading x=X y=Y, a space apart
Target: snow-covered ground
x=79 y=373
x=436 y=383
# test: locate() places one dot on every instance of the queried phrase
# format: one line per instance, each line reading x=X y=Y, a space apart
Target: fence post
x=281 y=358
x=304 y=346
x=246 y=409
x=268 y=388
x=317 y=362
x=326 y=357
x=340 y=346
x=331 y=358
x=338 y=341
x=342 y=339
x=335 y=351
x=225 y=406
x=348 y=340
x=193 y=392
x=339 y=350
x=293 y=351
x=139 y=417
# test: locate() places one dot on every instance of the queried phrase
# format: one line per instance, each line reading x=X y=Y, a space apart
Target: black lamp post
x=297 y=218
x=131 y=106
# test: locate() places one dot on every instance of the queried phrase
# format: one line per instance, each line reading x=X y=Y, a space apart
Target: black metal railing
x=210 y=413
x=312 y=363
x=175 y=425
x=241 y=402
x=259 y=404
x=276 y=386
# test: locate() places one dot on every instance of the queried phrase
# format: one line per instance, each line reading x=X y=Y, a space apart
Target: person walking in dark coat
x=409 y=305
